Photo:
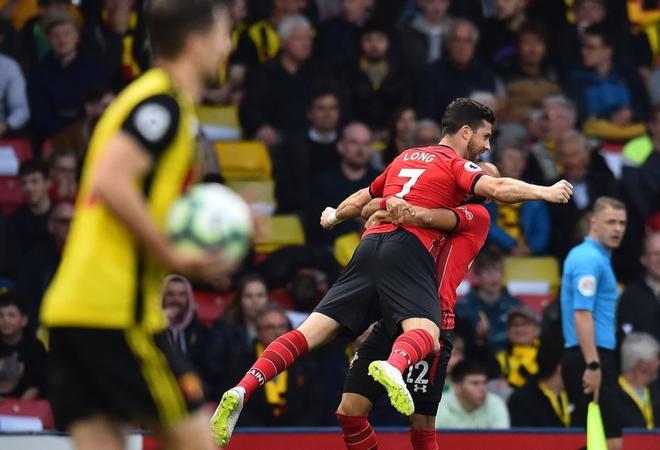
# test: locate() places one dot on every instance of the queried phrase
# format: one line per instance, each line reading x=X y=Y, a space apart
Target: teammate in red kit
x=392 y=274
x=426 y=379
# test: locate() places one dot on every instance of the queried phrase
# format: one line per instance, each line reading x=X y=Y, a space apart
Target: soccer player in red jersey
x=392 y=273
x=425 y=380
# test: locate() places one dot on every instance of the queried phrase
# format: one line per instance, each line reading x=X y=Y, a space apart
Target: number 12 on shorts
x=412 y=175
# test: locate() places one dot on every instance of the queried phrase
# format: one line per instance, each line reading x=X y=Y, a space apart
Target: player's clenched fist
x=560 y=192
x=329 y=218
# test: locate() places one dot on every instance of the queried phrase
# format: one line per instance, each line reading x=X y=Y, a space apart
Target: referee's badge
x=587 y=285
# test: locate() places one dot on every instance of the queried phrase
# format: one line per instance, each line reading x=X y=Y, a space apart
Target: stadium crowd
x=336 y=89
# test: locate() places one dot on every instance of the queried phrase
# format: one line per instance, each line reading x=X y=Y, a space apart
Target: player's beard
x=473 y=150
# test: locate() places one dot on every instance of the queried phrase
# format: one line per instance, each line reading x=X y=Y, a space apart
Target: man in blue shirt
x=588 y=308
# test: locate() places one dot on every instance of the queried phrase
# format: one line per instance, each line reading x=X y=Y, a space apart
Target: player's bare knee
x=421 y=422
x=433 y=330
x=318 y=329
x=354 y=405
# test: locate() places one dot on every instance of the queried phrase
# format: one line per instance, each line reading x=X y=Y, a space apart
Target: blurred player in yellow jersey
x=110 y=363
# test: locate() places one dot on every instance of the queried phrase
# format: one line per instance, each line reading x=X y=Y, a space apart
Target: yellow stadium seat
x=256 y=192
x=344 y=247
x=543 y=269
x=244 y=160
x=281 y=231
x=222 y=116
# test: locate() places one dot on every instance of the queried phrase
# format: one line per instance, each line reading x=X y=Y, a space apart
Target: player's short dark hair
x=549 y=354
x=33 y=166
x=466 y=368
x=170 y=22
x=8 y=298
x=488 y=257
x=601 y=30
x=535 y=28
x=464 y=111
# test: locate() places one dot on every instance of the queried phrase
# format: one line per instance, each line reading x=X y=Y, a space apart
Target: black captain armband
x=153 y=123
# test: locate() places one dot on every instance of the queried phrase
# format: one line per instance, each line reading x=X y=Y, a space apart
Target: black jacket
x=529 y=407
x=225 y=343
x=304 y=405
x=441 y=82
x=374 y=105
x=275 y=97
x=35 y=273
x=31 y=354
x=631 y=416
x=296 y=163
x=638 y=310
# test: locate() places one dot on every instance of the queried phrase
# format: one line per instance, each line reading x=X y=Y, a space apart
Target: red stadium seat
x=10 y=194
x=46 y=149
x=28 y=408
x=22 y=148
x=210 y=305
x=536 y=302
x=281 y=297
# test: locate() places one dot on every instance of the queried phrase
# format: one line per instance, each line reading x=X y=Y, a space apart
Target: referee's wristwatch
x=593 y=365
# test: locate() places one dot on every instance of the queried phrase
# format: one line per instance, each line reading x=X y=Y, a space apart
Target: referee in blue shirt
x=588 y=308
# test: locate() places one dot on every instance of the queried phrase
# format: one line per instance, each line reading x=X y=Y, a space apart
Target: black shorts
x=129 y=375
x=572 y=369
x=425 y=380
x=391 y=276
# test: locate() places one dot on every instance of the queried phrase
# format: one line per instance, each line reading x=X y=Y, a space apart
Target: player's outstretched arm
x=350 y=208
x=113 y=182
x=509 y=190
x=440 y=219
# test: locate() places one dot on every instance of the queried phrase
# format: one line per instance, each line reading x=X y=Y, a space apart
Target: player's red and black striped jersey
x=429 y=177
x=456 y=255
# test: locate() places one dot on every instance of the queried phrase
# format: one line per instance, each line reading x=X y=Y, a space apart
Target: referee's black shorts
x=129 y=375
x=572 y=369
x=425 y=380
x=391 y=276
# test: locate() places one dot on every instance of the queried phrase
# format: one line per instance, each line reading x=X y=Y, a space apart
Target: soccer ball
x=210 y=217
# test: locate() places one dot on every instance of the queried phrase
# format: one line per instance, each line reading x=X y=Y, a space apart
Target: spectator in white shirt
x=468 y=404
x=14 y=110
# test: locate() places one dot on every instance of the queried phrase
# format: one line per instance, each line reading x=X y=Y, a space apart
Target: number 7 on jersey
x=413 y=175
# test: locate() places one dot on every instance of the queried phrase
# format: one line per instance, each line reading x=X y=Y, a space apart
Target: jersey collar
x=600 y=247
x=447 y=147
